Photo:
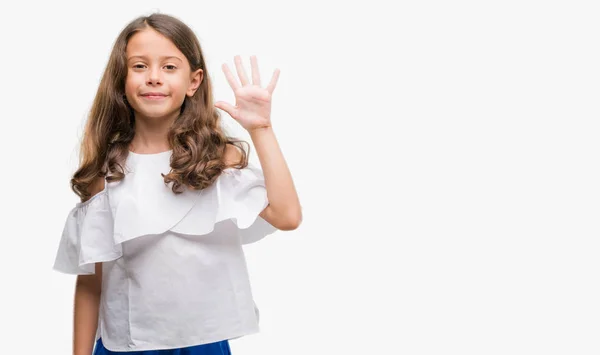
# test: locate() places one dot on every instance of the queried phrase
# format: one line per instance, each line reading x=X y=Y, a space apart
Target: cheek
x=180 y=86
x=131 y=85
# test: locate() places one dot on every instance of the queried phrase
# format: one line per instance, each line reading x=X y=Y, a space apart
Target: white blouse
x=173 y=268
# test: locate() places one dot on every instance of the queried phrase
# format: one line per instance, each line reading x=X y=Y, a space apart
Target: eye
x=172 y=67
x=138 y=65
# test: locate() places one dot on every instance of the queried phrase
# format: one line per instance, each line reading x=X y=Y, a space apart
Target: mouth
x=154 y=96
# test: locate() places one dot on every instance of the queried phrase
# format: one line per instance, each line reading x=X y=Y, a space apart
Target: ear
x=195 y=81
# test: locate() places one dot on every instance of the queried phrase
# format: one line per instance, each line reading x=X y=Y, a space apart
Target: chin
x=155 y=114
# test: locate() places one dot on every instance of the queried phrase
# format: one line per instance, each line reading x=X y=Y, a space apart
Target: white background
x=445 y=154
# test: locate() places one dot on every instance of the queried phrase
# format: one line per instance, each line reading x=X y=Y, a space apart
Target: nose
x=154 y=77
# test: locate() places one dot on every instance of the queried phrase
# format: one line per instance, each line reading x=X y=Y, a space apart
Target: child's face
x=156 y=65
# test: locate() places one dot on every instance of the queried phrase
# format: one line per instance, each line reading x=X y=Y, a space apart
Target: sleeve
x=238 y=195
x=87 y=237
x=246 y=197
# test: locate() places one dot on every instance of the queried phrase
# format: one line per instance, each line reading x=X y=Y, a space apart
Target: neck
x=151 y=133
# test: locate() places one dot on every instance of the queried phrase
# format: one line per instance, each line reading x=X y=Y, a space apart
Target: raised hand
x=252 y=102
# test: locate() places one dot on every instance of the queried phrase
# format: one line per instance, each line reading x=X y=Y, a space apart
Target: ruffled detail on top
x=141 y=204
x=238 y=195
x=87 y=237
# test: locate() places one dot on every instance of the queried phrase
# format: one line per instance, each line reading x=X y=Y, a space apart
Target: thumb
x=224 y=106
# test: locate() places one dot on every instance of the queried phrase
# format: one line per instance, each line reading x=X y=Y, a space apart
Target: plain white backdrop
x=445 y=154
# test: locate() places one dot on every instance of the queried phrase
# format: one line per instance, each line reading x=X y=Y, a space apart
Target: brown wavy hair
x=196 y=137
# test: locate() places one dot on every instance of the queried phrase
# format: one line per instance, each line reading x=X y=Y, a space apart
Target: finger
x=240 y=70
x=273 y=82
x=230 y=109
x=232 y=82
x=255 y=72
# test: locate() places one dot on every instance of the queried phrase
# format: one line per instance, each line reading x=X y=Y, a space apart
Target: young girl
x=168 y=200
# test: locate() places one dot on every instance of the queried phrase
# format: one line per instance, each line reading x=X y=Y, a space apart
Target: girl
x=168 y=200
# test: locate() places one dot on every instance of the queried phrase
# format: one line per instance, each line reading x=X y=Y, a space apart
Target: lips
x=157 y=94
x=153 y=96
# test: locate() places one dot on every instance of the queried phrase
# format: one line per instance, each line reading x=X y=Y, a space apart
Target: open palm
x=252 y=107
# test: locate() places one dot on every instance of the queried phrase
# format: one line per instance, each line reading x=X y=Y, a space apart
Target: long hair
x=196 y=137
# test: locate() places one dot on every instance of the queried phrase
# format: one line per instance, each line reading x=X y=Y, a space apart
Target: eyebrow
x=162 y=58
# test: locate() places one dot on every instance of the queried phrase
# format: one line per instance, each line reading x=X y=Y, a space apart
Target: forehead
x=151 y=44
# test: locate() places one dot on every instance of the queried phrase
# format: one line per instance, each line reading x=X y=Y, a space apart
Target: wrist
x=259 y=131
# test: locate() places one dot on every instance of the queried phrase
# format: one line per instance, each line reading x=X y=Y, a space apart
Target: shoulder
x=233 y=155
x=95 y=187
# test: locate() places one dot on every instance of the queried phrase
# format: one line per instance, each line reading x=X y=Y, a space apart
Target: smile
x=154 y=97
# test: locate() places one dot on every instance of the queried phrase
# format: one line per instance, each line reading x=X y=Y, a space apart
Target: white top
x=174 y=272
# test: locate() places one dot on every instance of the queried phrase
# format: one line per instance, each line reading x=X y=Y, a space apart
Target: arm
x=87 y=301
x=284 y=211
x=253 y=112
x=86 y=309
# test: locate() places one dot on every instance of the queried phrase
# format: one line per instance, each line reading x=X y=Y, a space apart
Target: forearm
x=85 y=319
x=284 y=205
